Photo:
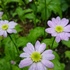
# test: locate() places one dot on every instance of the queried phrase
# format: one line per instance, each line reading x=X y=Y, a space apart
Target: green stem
x=52 y=43
x=13 y=43
x=45 y=13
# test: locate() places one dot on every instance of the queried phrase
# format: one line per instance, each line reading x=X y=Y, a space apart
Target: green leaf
x=67 y=43
x=22 y=41
x=15 y=68
x=67 y=54
x=35 y=34
x=49 y=44
x=4 y=64
x=58 y=65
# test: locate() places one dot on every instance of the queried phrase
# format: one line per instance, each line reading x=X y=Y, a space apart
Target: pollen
x=5 y=27
x=59 y=29
x=36 y=56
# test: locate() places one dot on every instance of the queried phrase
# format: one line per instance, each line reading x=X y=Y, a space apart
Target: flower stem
x=13 y=43
x=52 y=43
x=45 y=13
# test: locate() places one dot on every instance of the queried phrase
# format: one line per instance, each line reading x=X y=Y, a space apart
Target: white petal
x=37 y=44
x=42 y=47
x=47 y=52
x=26 y=50
x=12 y=24
x=5 y=34
x=67 y=28
x=33 y=67
x=24 y=55
x=47 y=63
x=25 y=62
x=40 y=66
x=57 y=38
x=48 y=56
x=64 y=36
x=30 y=47
x=64 y=22
x=9 y=31
x=1 y=32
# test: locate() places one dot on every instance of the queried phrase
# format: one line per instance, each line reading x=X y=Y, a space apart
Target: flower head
x=7 y=27
x=59 y=28
x=30 y=0
x=36 y=57
x=13 y=62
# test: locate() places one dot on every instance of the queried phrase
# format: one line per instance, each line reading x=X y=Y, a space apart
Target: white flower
x=7 y=27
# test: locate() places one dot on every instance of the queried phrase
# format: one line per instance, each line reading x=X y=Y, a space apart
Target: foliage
x=37 y=13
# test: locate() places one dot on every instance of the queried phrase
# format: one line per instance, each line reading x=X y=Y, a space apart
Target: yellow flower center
x=36 y=56
x=5 y=27
x=59 y=29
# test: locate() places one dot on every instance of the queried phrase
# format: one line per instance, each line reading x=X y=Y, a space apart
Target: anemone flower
x=7 y=27
x=37 y=57
x=59 y=28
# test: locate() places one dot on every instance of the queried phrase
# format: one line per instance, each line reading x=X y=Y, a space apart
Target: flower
x=7 y=27
x=30 y=0
x=36 y=57
x=1 y=13
x=13 y=62
x=59 y=28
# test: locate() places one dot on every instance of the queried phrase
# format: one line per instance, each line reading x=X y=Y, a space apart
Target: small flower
x=30 y=0
x=36 y=57
x=59 y=28
x=13 y=62
x=1 y=13
x=7 y=27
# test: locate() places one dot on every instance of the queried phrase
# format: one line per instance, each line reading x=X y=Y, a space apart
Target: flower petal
x=5 y=34
x=47 y=52
x=24 y=55
x=25 y=62
x=67 y=28
x=51 y=24
x=49 y=30
x=30 y=47
x=42 y=47
x=48 y=56
x=40 y=66
x=64 y=36
x=64 y=22
x=48 y=63
x=37 y=44
x=33 y=67
x=12 y=24
x=9 y=31
x=26 y=50
x=57 y=38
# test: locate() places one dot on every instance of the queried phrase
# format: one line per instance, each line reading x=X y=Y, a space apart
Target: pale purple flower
x=59 y=28
x=7 y=27
x=1 y=13
x=37 y=57
x=13 y=62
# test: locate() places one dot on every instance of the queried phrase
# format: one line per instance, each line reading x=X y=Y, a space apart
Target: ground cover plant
x=34 y=35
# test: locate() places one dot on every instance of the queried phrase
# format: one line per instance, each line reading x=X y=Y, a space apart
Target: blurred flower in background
x=7 y=27
x=13 y=62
